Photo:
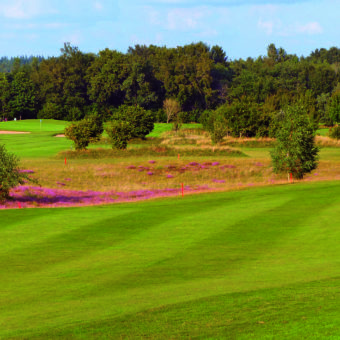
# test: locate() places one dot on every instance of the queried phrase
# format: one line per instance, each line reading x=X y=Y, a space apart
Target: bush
x=141 y=120
x=120 y=133
x=216 y=124
x=334 y=132
x=10 y=175
x=295 y=151
x=74 y=113
x=85 y=131
x=245 y=118
x=177 y=123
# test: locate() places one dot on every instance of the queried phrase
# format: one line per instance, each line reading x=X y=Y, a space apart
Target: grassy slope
x=254 y=263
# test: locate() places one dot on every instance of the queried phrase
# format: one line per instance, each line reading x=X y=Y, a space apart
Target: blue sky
x=243 y=28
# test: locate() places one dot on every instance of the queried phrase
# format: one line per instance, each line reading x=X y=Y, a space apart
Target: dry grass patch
x=132 y=174
x=324 y=141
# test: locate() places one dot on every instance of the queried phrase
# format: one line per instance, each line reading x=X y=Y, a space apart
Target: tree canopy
x=196 y=76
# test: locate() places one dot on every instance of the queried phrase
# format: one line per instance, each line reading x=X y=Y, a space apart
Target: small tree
x=120 y=133
x=141 y=120
x=216 y=124
x=171 y=108
x=295 y=151
x=85 y=131
x=10 y=175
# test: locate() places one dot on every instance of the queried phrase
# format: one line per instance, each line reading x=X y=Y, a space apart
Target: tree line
x=249 y=94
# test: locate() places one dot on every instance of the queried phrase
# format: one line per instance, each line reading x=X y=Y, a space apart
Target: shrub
x=177 y=123
x=74 y=113
x=334 y=132
x=216 y=124
x=120 y=133
x=96 y=125
x=295 y=151
x=85 y=131
x=10 y=175
x=245 y=118
x=140 y=119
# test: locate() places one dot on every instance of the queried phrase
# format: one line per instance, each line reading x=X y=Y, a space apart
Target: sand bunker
x=60 y=135
x=3 y=132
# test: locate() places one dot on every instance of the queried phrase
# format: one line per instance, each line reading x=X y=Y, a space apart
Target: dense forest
x=250 y=93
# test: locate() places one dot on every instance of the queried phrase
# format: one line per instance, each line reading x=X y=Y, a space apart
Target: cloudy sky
x=242 y=27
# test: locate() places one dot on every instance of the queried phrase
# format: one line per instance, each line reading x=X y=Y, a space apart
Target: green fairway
x=260 y=263
x=41 y=143
x=35 y=125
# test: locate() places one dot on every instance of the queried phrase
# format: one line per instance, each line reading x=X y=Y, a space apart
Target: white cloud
x=20 y=9
x=276 y=27
x=208 y=33
x=225 y=3
x=310 y=28
x=75 y=38
x=24 y=9
x=153 y=15
x=98 y=6
x=267 y=26
x=184 y=18
x=54 y=25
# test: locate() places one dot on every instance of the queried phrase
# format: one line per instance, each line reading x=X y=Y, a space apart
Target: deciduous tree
x=295 y=151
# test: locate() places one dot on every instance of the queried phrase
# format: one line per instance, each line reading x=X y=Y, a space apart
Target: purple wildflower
x=131 y=167
x=152 y=162
x=150 y=173
x=169 y=176
x=218 y=180
x=26 y=171
x=215 y=163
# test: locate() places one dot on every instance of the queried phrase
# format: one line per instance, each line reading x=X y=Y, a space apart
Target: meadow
x=251 y=257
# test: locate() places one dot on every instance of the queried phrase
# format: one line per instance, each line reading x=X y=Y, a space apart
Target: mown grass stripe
x=63 y=267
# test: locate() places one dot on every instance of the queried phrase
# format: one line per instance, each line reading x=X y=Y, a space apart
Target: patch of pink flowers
x=26 y=171
x=218 y=180
x=32 y=197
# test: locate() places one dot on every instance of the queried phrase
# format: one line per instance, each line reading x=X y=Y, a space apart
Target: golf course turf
x=259 y=261
x=256 y=263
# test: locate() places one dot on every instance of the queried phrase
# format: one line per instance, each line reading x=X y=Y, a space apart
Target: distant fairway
x=260 y=263
x=41 y=143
